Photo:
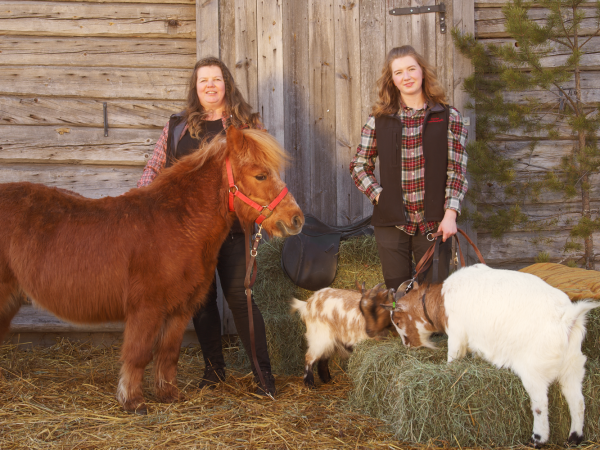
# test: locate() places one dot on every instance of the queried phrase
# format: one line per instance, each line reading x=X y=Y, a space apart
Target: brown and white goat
x=334 y=325
x=512 y=319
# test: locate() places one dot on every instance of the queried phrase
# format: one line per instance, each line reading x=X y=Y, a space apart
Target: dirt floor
x=63 y=397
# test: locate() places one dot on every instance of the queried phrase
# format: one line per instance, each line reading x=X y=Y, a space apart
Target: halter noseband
x=265 y=211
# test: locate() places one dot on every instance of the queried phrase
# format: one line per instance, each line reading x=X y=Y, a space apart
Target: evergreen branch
x=569 y=45
x=588 y=40
x=567 y=96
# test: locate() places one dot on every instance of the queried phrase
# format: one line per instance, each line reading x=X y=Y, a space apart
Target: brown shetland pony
x=147 y=257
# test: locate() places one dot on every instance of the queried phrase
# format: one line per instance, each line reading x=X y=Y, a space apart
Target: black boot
x=212 y=377
x=269 y=389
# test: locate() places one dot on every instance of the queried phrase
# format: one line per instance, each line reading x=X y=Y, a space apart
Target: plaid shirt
x=159 y=157
x=413 y=166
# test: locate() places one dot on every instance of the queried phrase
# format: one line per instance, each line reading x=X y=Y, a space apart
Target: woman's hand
x=448 y=224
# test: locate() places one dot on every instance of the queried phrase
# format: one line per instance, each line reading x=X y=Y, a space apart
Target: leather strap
x=426 y=260
x=425 y=309
x=248 y=283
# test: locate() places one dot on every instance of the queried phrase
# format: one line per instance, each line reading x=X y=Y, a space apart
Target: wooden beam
x=89 y=181
x=43 y=18
x=348 y=121
x=64 y=145
x=97 y=52
x=75 y=112
x=108 y=83
x=270 y=66
x=207 y=28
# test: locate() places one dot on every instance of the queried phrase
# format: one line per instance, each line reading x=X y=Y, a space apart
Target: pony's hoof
x=138 y=408
x=173 y=397
x=574 y=439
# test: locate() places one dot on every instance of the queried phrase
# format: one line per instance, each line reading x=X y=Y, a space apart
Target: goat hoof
x=574 y=439
x=536 y=441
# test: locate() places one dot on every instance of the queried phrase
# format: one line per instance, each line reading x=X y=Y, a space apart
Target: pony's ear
x=236 y=139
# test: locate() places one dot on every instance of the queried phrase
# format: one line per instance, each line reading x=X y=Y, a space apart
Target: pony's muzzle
x=295 y=228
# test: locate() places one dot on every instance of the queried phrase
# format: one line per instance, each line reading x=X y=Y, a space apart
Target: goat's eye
x=261 y=177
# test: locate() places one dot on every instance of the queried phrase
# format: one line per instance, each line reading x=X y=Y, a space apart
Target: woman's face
x=211 y=87
x=408 y=76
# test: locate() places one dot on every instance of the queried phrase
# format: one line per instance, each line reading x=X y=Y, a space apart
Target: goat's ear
x=415 y=285
x=235 y=138
x=387 y=306
x=363 y=287
x=390 y=294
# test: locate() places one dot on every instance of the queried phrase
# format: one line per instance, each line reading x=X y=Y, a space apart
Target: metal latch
x=441 y=8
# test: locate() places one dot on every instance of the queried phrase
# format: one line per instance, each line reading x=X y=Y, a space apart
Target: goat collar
x=425 y=309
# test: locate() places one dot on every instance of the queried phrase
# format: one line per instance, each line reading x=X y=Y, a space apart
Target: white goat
x=513 y=320
x=334 y=324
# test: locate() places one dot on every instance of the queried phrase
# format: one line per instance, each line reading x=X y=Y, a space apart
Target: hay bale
x=471 y=402
x=358 y=260
x=591 y=344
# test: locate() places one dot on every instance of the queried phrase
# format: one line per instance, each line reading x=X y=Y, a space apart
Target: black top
x=188 y=144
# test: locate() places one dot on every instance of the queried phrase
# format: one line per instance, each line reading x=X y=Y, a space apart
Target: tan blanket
x=576 y=283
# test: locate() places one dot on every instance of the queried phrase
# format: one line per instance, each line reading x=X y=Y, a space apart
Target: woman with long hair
x=213 y=104
x=420 y=141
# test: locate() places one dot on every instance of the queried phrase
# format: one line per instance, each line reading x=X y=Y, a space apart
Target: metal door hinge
x=441 y=8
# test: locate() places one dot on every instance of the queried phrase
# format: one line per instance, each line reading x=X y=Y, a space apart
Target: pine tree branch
x=588 y=40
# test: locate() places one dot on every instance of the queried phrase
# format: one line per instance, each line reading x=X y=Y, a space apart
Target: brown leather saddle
x=310 y=258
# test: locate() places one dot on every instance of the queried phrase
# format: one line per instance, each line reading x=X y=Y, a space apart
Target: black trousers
x=396 y=249
x=207 y=321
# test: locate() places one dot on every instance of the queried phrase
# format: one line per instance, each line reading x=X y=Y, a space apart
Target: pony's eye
x=261 y=177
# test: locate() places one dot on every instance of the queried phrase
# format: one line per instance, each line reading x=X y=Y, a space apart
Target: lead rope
x=248 y=283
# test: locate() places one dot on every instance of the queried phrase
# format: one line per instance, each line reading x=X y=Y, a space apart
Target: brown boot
x=270 y=388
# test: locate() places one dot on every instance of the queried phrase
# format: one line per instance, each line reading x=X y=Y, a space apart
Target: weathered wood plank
x=227 y=27
x=546 y=154
x=81 y=112
x=373 y=18
x=493 y=194
x=97 y=52
x=348 y=107
x=519 y=249
x=296 y=83
x=398 y=29
x=463 y=18
x=89 y=181
x=551 y=217
x=52 y=145
x=445 y=52
x=188 y=2
x=590 y=59
x=490 y=22
x=108 y=82
x=270 y=66
x=207 y=28
x=39 y=18
x=322 y=110
x=423 y=31
x=245 y=69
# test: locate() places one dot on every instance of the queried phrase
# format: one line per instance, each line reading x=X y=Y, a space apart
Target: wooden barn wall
x=60 y=61
x=519 y=248
x=310 y=68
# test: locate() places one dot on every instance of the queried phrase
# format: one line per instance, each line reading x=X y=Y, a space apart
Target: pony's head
x=257 y=159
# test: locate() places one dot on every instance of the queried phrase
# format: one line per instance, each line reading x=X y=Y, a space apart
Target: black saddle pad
x=310 y=258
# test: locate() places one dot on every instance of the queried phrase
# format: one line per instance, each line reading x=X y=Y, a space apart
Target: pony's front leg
x=166 y=355
x=141 y=330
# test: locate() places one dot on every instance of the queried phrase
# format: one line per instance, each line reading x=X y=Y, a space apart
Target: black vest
x=390 y=209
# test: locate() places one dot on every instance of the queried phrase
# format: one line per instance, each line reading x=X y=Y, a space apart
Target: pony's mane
x=266 y=152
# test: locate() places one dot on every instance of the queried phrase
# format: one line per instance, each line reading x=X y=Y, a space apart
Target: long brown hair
x=389 y=95
x=236 y=106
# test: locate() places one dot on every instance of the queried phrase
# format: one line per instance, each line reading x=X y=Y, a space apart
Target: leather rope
x=426 y=260
x=251 y=267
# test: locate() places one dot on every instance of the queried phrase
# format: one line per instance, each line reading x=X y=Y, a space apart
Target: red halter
x=265 y=211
